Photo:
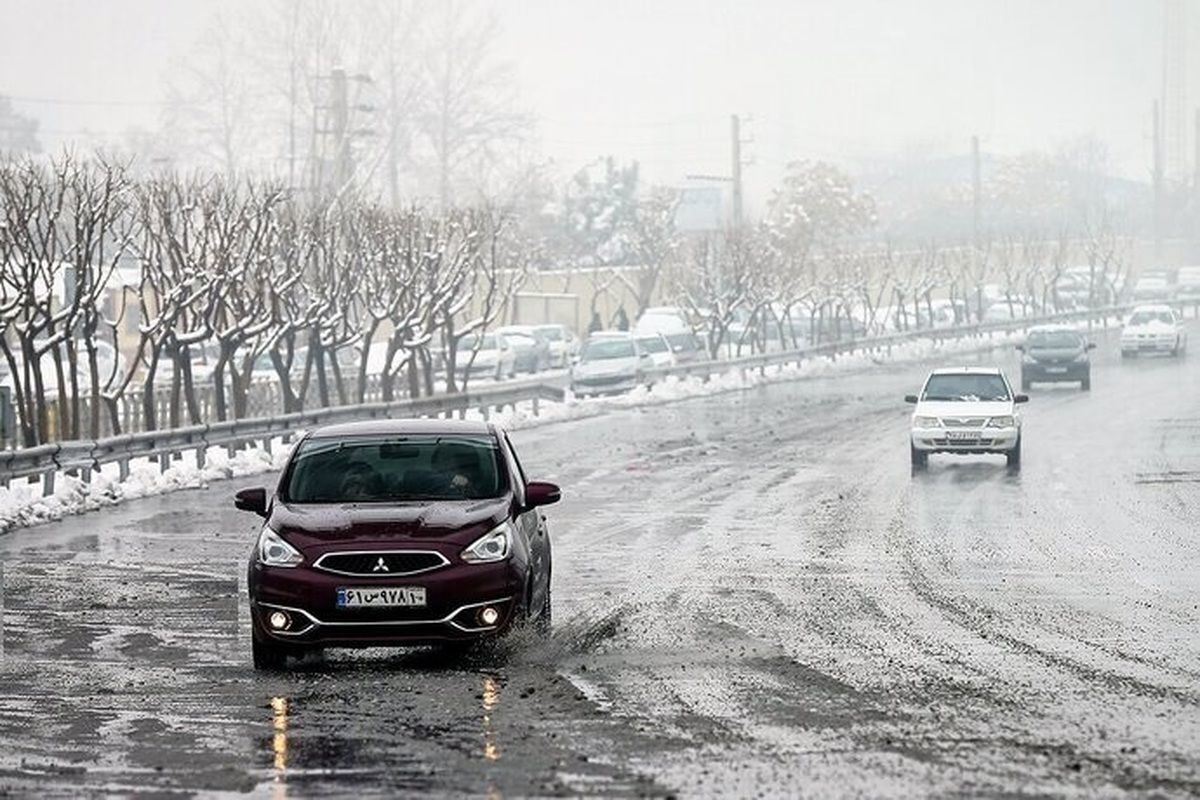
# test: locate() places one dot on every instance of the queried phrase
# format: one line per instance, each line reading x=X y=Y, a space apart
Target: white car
x=564 y=344
x=966 y=410
x=495 y=357
x=660 y=350
x=610 y=362
x=1153 y=329
x=1187 y=284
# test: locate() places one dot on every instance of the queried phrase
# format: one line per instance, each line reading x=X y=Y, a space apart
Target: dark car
x=397 y=532
x=531 y=347
x=1055 y=355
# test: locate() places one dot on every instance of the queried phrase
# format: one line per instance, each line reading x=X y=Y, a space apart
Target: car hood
x=460 y=521
x=606 y=366
x=1053 y=353
x=964 y=409
x=1150 y=327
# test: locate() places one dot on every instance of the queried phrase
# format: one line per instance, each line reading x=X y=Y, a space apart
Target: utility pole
x=339 y=108
x=735 y=125
x=1158 y=183
x=977 y=190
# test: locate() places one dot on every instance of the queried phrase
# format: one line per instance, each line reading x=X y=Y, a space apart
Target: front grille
x=382 y=563
x=964 y=422
x=971 y=445
x=608 y=381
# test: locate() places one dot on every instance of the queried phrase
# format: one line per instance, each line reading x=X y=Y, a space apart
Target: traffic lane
x=785 y=546
x=126 y=668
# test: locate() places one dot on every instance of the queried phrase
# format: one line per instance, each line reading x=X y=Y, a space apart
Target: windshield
x=519 y=339
x=1055 y=339
x=653 y=344
x=1146 y=317
x=488 y=342
x=393 y=469
x=553 y=334
x=682 y=341
x=977 y=387
x=601 y=349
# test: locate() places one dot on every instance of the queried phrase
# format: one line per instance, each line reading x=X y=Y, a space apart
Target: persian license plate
x=1056 y=370
x=962 y=436
x=382 y=597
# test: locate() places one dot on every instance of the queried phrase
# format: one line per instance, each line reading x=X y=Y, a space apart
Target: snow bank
x=22 y=504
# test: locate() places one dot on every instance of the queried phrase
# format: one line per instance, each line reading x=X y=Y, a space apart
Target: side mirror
x=1021 y=398
x=1091 y=346
x=910 y=398
x=540 y=493
x=253 y=500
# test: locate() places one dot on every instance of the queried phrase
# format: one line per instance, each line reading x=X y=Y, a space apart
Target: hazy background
x=656 y=82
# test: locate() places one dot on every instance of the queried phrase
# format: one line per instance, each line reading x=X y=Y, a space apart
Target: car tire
x=268 y=656
x=1014 y=456
x=919 y=458
x=545 y=619
x=1126 y=354
x=1086 y=383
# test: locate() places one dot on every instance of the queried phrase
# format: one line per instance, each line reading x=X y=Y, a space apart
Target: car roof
x=966 y=370
x=611 y=335
x=399 y=427
x=1152 y=307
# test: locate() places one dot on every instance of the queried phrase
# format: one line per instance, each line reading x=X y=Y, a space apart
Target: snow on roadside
x=22 y=503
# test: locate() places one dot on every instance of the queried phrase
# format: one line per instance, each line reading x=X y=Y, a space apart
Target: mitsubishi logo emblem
x=380 y=566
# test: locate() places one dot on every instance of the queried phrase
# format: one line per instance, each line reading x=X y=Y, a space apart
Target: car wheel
x=1086 y=383
x=1126 y=354
x=920 y=459
x=1014 y=456
x=267 y=655
x=545 y=620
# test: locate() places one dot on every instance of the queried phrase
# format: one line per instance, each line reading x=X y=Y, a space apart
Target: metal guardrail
x=83 y=457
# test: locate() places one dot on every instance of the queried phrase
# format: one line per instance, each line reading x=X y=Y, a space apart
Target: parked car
x=564 y=344
x=495 y=357
x=658 y=348
x=397 y=532
x=1053 y=354
x=1187 y=285
x=531 y=349
x=610 y=362
x=686 y=347
x=966 y=410
x=1153 y=329
x=1151 y=287
x=662 y=319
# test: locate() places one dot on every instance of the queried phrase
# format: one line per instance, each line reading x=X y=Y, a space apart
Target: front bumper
x=454 y=597
x=1052 y=372
x=942 y=440
x=612 y=385
x=1149 y=344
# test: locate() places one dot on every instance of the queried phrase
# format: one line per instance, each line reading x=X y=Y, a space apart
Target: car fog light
x=489 y=615
x=278 y=620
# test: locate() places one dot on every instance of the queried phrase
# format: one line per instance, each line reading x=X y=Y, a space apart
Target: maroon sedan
x=397 y=532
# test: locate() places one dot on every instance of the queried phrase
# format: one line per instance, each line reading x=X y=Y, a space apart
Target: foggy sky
x=656 y=81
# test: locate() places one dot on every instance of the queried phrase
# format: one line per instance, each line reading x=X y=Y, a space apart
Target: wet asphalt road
x=753 y=596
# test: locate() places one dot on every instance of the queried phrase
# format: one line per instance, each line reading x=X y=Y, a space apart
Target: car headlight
x=273 y=551
x=1002 y=422
x=1028 y=359
x=926 y=422
x=495 y=545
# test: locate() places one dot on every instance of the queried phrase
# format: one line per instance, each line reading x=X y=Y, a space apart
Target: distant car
x=966 y=410
x=662 y=319
x=659 y=349
x=564 y=344
x=1187 y=285
x=1079 y=285
x=1053 y=354
x=1004 y=310
x=397 y=533
x=686 y=347
x=495 y=358
x=531 y=349
x=1151 y=287
x=1153 y=329
x=609 y=362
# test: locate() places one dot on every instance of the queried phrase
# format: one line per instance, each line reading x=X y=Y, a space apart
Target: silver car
x=610 y=362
